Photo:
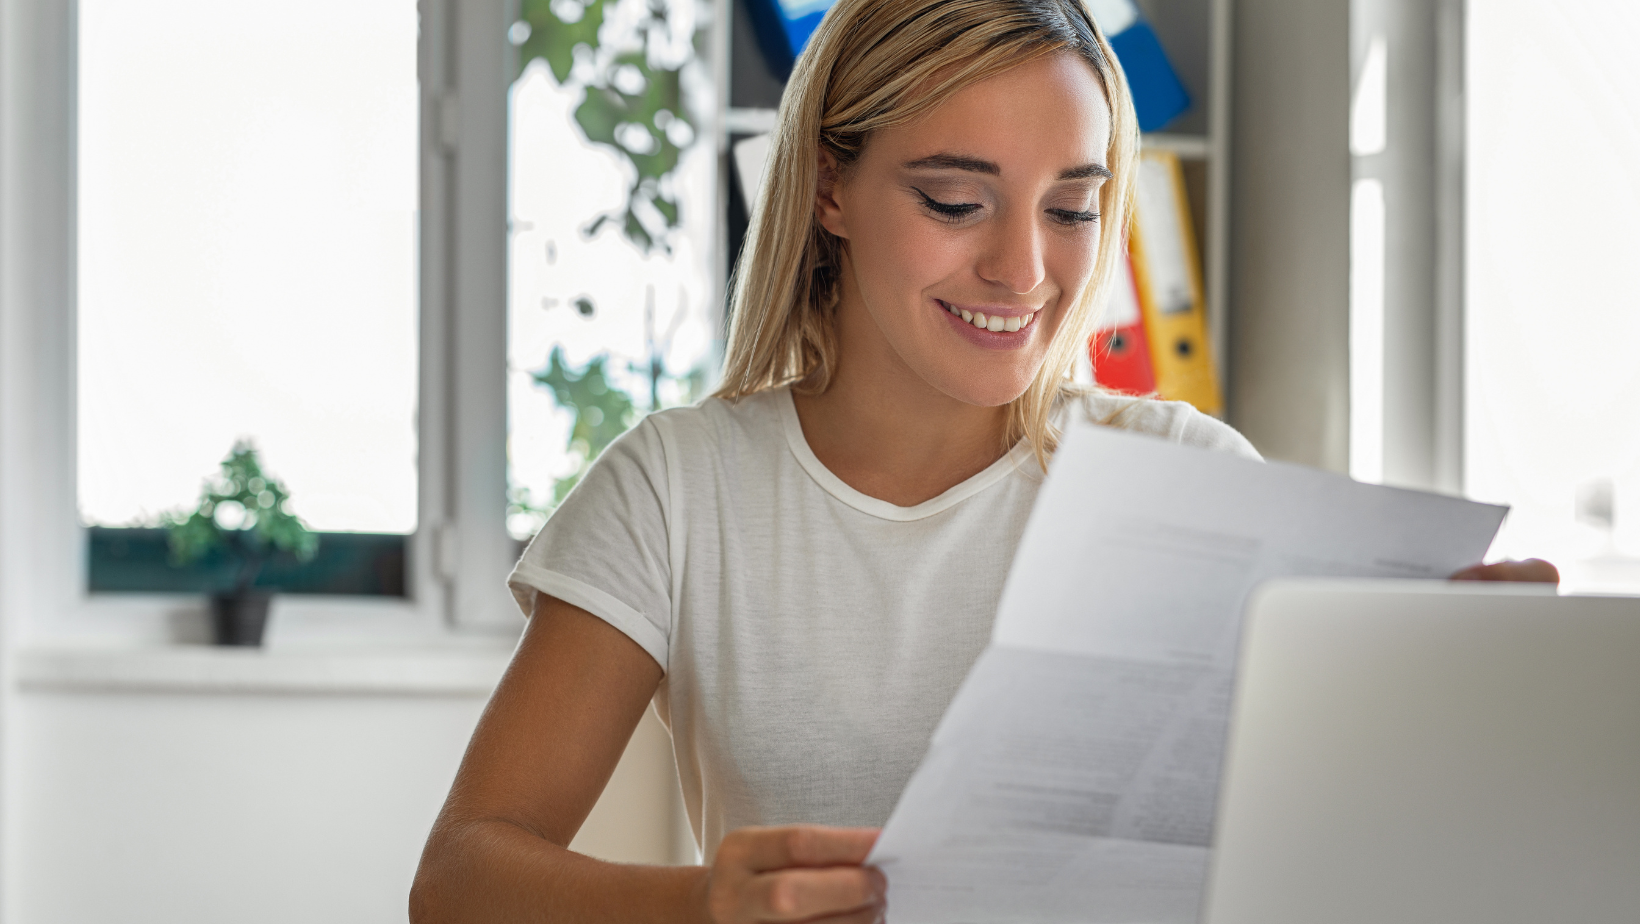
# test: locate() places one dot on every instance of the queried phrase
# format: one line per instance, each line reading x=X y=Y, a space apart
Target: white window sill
x=452 y=671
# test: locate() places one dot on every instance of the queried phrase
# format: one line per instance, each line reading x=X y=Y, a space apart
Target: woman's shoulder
x=715 y=418
x=709 y=428
x=1176 y=421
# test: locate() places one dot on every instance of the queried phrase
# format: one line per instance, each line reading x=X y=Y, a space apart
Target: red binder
x=1119 y=350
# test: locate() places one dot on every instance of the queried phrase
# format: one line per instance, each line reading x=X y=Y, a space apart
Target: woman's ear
x=828 y=204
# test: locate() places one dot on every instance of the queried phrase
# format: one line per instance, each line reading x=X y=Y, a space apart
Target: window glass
x=612 y=202
x=1552 y=416
x=247 y=254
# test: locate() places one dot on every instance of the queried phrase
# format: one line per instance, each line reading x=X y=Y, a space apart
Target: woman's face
x=970 y=232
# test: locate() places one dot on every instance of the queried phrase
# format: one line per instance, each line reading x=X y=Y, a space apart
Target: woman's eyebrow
x=975 y=165
x=953 y=162
x=1087 y=171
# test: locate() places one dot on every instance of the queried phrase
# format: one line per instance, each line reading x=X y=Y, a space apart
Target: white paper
x=1075 y=775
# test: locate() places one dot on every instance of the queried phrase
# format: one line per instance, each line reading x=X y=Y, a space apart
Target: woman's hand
x=795 y=873
x=1531 y=571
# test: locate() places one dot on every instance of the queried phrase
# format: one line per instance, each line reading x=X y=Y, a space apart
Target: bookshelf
x=1196 y=36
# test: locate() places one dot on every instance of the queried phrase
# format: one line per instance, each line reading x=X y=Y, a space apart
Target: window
x=247 y=183
x=612 y=307
x=1553 y=222
x=436 y=194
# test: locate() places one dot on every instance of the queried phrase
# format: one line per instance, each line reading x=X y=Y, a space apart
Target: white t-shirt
x=811 y=636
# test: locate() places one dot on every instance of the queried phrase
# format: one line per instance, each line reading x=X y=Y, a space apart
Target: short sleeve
x=1212 y=433
x=605 y=548
x=1177 y=421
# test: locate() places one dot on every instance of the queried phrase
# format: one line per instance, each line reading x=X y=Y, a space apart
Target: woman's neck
x=885 y=431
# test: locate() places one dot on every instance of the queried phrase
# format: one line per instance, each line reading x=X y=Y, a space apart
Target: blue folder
x=783 y=28
x=1158 y=96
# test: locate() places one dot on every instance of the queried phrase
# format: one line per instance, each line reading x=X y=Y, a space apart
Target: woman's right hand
x=795 y=873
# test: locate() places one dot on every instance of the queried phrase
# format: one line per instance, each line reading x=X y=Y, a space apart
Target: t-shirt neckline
x=878 y=507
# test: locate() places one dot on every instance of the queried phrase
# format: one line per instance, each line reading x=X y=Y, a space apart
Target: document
x=1075 y=775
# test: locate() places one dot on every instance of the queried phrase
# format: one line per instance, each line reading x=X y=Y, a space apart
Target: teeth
x=995 y=322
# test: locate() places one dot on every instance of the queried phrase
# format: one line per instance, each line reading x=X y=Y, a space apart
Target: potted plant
x=244 y=516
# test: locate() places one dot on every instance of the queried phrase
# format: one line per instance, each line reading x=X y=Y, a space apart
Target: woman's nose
x=1013 y=255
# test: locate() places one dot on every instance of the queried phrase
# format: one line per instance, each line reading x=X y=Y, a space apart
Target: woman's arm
x=541 y=754
x=543 y=751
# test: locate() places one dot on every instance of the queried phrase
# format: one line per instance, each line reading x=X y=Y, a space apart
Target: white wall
x=207 y=806
x=179 y=807
x=1289 y=235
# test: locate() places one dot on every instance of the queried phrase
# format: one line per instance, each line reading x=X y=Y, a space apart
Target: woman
x=799 y=571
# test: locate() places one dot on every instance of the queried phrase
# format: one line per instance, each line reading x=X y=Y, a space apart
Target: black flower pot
x=239 y=618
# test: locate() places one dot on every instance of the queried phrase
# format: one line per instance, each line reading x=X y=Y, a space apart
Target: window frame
x=467 y=65
x=1420 y=436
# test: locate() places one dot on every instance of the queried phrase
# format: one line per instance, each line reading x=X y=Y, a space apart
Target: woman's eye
x=951 y=211
x=1071 y=217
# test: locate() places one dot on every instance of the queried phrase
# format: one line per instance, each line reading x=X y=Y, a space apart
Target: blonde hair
x=875 y=64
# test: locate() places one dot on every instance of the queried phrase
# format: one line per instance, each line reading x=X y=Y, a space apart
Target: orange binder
x=1168 y=274
x=1118 y=349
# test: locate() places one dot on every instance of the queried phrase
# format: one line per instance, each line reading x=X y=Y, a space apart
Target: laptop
x=1410 y=752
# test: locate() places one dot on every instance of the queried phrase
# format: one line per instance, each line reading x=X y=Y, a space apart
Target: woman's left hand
x=1531 y=571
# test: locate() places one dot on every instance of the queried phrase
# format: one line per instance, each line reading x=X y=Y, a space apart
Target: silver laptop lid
x=1413 y=753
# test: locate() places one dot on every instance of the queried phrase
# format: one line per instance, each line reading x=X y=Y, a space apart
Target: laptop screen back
x=1431 y=753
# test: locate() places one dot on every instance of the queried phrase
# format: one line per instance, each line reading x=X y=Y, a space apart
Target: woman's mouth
x=996 y=321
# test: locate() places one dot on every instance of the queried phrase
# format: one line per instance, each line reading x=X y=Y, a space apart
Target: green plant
x=629 y=60
x=602 y=410
x=244 y=514
x=633 y=101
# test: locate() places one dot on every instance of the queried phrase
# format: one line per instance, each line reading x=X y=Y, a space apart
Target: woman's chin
x=982 y=378
x=992 y=393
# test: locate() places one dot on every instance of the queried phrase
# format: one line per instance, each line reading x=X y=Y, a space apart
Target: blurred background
x=311 y=313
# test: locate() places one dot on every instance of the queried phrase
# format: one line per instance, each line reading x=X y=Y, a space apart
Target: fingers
x=761 y=849
x=872 y=915
x=1532 y=570
x=818 y=894
x=802 y=873
x=1538 y=571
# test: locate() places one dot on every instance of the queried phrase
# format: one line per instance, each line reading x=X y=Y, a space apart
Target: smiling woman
x=1067 y=133
x=1000 y=223
x=799 y=571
